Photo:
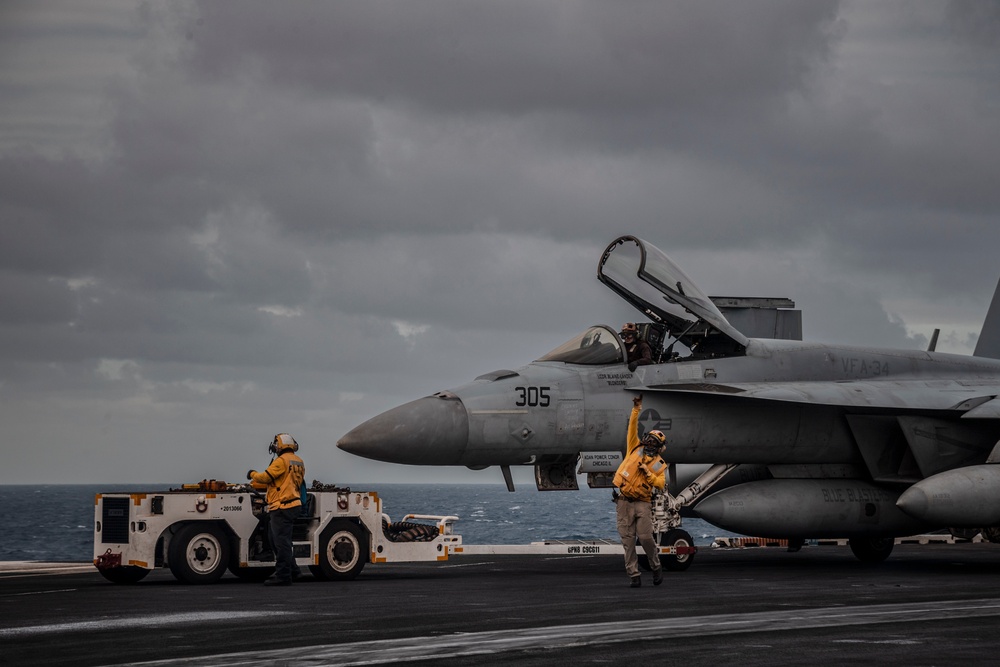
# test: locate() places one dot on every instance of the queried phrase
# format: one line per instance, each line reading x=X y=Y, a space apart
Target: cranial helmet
x=630 y=330
x=281 y=442
x=655 y=439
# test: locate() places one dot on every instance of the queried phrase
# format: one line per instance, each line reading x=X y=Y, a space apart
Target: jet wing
x=987 y=410
x=977 y=401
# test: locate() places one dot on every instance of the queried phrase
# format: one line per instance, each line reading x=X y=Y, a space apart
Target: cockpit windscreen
x=596 y=346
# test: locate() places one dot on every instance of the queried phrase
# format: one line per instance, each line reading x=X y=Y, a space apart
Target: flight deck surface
x=928 y=604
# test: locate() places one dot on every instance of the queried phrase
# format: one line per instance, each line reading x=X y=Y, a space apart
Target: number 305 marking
x=532 y=396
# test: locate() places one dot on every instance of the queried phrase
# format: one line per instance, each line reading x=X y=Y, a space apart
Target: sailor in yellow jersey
x=284 y=479
x=641 y=471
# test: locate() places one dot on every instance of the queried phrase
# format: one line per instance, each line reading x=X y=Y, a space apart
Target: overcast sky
x=223 y=220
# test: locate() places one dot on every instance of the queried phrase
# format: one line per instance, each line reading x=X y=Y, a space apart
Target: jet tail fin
x=989 y=337
x=934 y=337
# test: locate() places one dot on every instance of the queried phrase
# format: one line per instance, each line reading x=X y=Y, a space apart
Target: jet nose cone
x=428 y=431
x=914 y=502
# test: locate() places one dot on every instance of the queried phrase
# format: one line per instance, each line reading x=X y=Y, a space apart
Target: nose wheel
x=681 y=540
x=871 y=549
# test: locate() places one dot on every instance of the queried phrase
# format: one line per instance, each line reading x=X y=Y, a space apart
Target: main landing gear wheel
x=964 y=533
x=199 y=553
x=871 y=549
x=343 y=551
x=125 y=574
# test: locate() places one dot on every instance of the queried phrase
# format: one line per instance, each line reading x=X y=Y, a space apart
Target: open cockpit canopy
x=643 y=275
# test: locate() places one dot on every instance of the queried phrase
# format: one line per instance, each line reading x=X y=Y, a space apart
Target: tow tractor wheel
x=199 y=553
x=125 y=574
x=343 y=550
x=676 y=538
x=871 y=549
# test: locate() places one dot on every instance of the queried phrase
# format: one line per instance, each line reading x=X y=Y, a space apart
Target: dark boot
x=277 y=582
x=657 y=577
x=636 y=582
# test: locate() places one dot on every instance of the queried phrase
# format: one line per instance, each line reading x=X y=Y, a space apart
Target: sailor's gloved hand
x=249 y=474
x=632 y=366
x=637 y=400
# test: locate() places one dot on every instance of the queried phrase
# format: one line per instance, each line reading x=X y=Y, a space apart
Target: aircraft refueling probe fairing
x=805 y=440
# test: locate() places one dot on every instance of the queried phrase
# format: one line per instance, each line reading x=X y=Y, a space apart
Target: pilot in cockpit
x=638 y=351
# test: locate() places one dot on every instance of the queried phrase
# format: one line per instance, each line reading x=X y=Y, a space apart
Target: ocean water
x=56 y=522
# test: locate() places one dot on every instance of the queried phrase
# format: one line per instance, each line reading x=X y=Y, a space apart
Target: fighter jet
x=799 y=440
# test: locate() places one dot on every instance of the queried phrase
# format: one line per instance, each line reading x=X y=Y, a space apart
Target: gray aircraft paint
x=822 y=418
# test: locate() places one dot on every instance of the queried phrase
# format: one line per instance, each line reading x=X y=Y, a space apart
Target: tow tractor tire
x=125 y=574
x=871 y=549
x=676 y=538
x=343 y=550
x=199 y=553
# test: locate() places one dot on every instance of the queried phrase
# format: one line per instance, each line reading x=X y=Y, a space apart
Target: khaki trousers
x=635 y=518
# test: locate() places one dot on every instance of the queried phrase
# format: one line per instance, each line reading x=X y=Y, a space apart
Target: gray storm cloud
x=223 y=220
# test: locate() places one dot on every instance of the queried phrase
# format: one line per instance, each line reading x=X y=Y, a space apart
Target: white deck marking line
x=126 y=622
x=59 y=590
x=465 y=644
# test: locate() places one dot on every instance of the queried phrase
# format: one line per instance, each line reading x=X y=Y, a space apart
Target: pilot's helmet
x=281 y=442
x=629 y=330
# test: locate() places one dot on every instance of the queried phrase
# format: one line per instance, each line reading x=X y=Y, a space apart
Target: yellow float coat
x=638 y=475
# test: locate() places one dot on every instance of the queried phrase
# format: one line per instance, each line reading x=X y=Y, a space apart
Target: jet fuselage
x=827 y=437
x=784 y=401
